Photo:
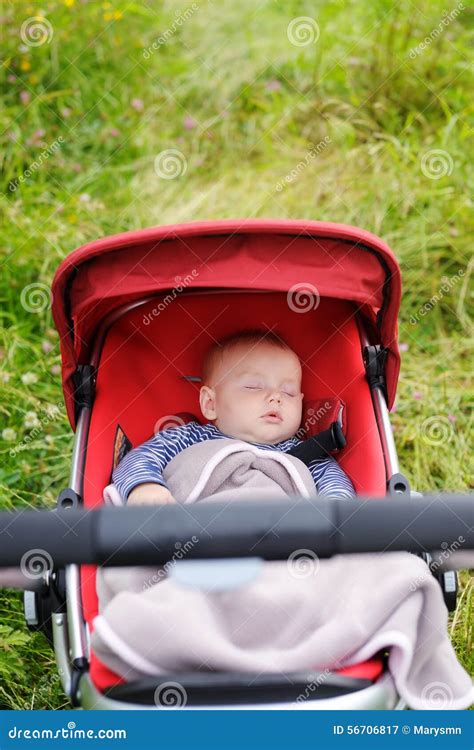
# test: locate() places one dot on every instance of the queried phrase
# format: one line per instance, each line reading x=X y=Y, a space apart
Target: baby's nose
x=275 y=396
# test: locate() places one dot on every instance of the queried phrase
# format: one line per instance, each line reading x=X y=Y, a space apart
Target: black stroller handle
x=272 y=530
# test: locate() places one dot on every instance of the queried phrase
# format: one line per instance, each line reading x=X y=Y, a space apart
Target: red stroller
x=135 y=313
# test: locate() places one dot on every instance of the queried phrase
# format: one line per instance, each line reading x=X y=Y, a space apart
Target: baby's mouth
x=272 y=416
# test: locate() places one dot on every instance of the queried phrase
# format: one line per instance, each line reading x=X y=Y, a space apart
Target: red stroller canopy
x=325 y=259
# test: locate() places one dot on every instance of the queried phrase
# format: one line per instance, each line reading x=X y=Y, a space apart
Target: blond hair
x=253 y=337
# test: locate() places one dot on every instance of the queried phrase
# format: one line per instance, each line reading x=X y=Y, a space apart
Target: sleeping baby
x=251 y=391
x=275 y=620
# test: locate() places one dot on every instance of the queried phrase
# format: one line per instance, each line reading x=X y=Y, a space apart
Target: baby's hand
x=150 y=494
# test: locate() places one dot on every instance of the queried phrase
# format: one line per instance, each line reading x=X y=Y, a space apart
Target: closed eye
x=252 y=387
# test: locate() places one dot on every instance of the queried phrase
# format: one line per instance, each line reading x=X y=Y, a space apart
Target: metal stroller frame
x=69 y=631
x=59 y=596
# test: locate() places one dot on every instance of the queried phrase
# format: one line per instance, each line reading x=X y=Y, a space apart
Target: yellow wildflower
x=25 y=65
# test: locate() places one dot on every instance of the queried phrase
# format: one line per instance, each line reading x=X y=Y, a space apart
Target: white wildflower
x=9 y=434
x=31 y=420
x=52 y=410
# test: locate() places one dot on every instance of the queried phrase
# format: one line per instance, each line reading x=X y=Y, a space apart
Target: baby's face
x=255 y=394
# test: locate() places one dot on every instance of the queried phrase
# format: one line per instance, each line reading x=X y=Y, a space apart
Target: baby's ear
x=207 y=402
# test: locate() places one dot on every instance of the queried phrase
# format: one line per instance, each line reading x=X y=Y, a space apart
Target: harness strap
x=320 y=445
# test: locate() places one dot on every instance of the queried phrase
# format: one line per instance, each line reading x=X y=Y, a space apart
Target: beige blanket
x=294 y=615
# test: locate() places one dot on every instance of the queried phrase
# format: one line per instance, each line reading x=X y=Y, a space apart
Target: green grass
x=244 y=106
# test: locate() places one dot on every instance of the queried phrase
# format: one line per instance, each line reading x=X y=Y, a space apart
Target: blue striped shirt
x=147 y=462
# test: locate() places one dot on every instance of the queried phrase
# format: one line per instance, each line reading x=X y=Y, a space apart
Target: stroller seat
x=136 y=313
x=163 y=354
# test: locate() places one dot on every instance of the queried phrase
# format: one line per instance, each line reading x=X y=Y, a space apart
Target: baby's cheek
x=298 y=411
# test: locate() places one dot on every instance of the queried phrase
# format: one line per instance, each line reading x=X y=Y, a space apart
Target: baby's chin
x=266 y=433
x=277 y=438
